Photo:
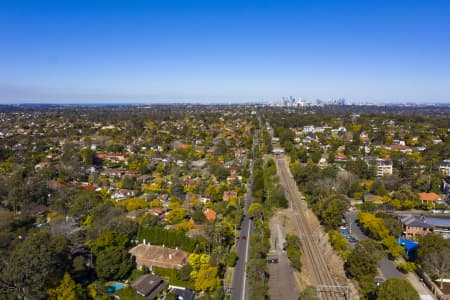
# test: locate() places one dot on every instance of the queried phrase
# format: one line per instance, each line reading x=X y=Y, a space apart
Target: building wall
x=412 y=232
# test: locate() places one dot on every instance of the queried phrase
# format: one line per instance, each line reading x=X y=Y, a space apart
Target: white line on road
x=246 y=254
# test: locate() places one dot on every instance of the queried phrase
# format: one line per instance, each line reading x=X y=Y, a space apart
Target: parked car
x=378 y=281
x=272 y=260
x=352 y=239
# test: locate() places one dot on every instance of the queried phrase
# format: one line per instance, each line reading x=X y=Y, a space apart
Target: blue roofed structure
x=408 y=245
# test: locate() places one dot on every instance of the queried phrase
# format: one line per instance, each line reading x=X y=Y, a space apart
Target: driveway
x=386 y=267
x=282 y=282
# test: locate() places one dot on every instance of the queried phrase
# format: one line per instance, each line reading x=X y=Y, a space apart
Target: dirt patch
x=284 y=281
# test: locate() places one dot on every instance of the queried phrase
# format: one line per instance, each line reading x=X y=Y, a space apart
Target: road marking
x=246 y=254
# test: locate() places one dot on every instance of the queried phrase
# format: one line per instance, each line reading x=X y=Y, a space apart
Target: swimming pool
x=115 y=287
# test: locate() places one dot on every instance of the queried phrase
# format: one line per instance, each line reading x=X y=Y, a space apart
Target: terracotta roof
x=210 y=214
x=340 y=156
x=429 y=196
x=89 y=187
x=151 y=255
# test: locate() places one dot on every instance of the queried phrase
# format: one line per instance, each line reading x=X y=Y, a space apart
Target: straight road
x=239 y=288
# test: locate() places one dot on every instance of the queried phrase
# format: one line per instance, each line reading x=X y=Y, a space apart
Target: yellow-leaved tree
x=204 y=275
x=67 y=290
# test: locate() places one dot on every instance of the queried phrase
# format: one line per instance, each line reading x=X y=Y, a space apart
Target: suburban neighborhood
x=216 y=202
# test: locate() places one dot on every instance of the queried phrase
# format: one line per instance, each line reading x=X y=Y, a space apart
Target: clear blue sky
x=166 y=51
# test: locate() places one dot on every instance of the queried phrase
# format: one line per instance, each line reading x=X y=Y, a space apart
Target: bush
x=339 y=243
x=294 y=254
x=173 y=276
x=397 y=288
x=232 y=258
x=407 y=267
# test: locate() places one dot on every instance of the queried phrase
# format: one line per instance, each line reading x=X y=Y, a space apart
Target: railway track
x=320 y=272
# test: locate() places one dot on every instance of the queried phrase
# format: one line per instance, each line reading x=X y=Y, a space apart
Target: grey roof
x=414 y=221
x=149 y=285
x=183 y=294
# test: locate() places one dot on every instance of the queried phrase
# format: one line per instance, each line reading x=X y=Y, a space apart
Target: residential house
x=323 y=163
x=444 y=167
x=149 y=286
x=160 y=212
x=339 y=157
x=401 y=148
x=414 y=225
x=210 y=214
x=124 y=193
x=115 y=158
x=384 y=166
x=228 y=195
x=429 y=198
x=42 y=165
x=114 y=172
x=183 y=294
x=240 y=153
x=199 y=164
x=159 y=256
x=212 y=150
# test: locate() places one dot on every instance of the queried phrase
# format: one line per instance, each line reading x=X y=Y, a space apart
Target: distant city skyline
x=224 y=51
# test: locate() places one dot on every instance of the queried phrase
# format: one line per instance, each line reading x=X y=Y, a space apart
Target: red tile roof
x=210 y=214
x=429 y=196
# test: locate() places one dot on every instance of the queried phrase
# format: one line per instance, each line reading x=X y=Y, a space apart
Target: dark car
x=379 y=281
x=272 y=261
x=244 y=237
x=352 y=239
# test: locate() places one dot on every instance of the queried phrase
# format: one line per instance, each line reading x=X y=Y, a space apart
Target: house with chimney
x=414 y=225
x=159 y=256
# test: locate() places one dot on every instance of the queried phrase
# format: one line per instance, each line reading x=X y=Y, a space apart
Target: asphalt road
x=386 y=267
x=239 y=287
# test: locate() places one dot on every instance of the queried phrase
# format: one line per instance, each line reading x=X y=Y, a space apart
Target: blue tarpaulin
x=409 y=245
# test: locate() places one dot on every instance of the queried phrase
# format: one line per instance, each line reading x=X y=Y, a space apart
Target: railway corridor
x=316 y=263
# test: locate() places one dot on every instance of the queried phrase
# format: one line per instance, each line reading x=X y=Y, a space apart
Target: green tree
x=434 y=254
x=232 y=258
x=339 y=243
x=83 y=203
x=333 y=212
x=255 y=211
x=35 y=265
x=363 y=259
x=176 y=215
x=107 y=240
x=397 y=289
x=113 y=263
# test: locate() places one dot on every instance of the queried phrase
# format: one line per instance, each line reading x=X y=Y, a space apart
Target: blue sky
x=220 y=51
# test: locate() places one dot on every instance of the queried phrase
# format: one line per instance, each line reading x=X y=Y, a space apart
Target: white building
x=445 y=167
x=384 y=166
